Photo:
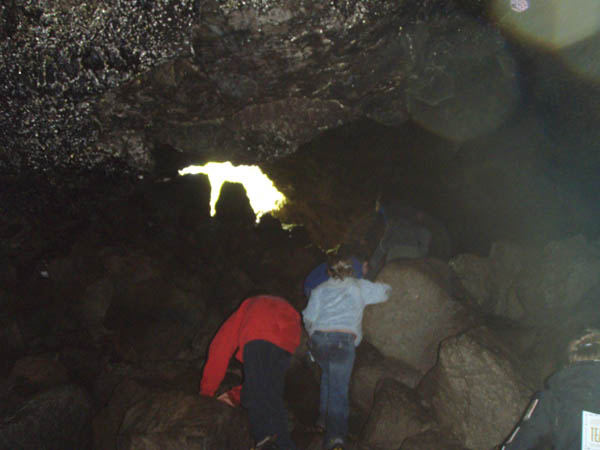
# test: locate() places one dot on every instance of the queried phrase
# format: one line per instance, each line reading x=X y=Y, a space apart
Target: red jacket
x=265 y=317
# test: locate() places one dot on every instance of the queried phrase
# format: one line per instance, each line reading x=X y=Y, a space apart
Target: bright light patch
x=571 y=28
x=263 y=195
x=519 y=5
x=554 y=23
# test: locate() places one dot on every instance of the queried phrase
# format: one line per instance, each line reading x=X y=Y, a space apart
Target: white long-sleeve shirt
x=339 y=305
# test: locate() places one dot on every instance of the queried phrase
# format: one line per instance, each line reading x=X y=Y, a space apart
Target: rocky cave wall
x=486 y=131
x=113 y=277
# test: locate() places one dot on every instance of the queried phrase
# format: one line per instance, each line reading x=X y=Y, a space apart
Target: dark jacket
x=554 y=415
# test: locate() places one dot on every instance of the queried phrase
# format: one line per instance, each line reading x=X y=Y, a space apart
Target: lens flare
x=519 y=5
x=568 y=28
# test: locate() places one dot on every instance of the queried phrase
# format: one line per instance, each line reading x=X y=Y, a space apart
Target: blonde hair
x=341 y=268
x=586 y=347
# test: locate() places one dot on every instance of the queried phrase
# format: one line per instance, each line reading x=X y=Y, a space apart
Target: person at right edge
x=565 y=415
x=333 y=321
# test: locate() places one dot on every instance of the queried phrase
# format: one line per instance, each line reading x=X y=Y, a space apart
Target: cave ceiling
x=110 y=83
x=143 y=88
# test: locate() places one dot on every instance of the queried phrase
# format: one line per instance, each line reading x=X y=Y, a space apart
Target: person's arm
x=232 y=397
x=221 y=349
x=310 y=313
x=376 y=261
x=374 y=292
x=535 y=424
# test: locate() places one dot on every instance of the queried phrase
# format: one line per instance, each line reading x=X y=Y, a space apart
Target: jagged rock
x=439 y=90
x=57 y=419
x=233 y=206
x=181 y=375
x=528 y=283
x=156 y=297
x=421 y=294
x=193 y=200
x=262 y=78
x=432 y=439
x=370 y=367
x=564 y=272
x=11 y=339
x=96 y=301
x=174 y=420
x=33 y=374
x=133 y=266
x=475 y=389
x=150 y=338
x=107 y=422
x=396 y=415
x=474 y=273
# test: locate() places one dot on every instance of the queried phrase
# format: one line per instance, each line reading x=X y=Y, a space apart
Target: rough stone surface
x=475 y=374
x=174 y=420
x=420 y=294
x=33 y=374
x=565 y=271
x=370 y=367
x=107 y=83
x=432 y=439
x=396 y=415
x=474 y=274
x=56 y=419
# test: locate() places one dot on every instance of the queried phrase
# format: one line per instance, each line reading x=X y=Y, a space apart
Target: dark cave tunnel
x=113 y=282
x=115 y=293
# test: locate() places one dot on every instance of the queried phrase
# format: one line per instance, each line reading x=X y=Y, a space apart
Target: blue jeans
x=265 y=365
x=334 y=352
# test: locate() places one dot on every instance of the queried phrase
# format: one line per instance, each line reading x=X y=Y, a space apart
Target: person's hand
x=224 y=397
x=365 y=268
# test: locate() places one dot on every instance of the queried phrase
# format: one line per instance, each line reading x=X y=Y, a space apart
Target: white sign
x=590 y=431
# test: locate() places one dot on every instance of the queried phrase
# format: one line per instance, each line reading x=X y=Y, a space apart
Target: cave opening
x=263 y=196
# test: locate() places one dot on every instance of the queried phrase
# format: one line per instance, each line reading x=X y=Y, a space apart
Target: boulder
x=397 y=414
x=177 y=421
x=57 y=419
x=509 y=263
x=12 y=341
x=107 y=422
x=420 y=312
x=370 y=366
x=233 y=205
x=475 y=390
x=96 y=300
x=565 y=271
x=34 y=374
x=474 y=273
x=432 y=440
x=531 y=284
x=151 y=338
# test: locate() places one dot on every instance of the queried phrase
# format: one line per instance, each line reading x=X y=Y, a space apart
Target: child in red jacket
x=263 y=333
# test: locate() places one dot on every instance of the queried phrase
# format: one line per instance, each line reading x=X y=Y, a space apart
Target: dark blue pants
x=265 y=365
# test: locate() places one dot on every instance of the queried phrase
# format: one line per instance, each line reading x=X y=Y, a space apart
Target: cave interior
x=114 y=275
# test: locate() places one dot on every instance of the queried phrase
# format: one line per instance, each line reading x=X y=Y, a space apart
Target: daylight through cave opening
x=262 y=193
